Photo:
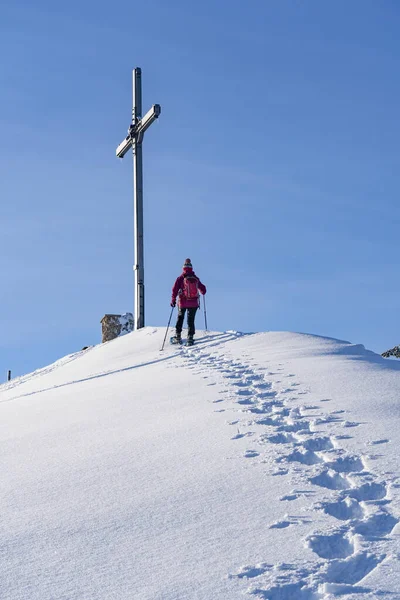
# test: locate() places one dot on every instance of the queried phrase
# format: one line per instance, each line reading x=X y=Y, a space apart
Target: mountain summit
x=250 y=465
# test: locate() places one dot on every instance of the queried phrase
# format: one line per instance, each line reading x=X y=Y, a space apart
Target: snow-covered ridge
x=261 y=464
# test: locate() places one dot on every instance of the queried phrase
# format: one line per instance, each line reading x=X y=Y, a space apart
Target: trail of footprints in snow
x=358 y=501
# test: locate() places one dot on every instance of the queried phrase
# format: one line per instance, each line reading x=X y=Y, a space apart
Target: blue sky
x=274 y=166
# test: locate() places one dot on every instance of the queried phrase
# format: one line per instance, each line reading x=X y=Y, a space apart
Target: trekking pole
x=205 y=313
x=169 y=321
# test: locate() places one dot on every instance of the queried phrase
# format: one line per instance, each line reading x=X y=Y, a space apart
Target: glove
x=173 y=303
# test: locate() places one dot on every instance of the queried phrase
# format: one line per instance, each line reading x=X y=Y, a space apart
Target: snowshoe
x=175 y=339
x=189 y=342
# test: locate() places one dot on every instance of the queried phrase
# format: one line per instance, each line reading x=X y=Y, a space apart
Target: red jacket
x=177 y=290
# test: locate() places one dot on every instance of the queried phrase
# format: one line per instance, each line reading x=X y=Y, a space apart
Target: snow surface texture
x=259 y=466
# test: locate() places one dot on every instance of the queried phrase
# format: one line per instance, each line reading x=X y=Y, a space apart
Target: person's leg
x=179 y=322
x=190 y=318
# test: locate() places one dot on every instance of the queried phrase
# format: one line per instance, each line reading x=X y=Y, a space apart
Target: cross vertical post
x=138 y=202
x=134 y=140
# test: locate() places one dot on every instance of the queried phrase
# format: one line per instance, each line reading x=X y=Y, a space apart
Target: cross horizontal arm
x=124 y=147
x=149 y=118
x=136 y=131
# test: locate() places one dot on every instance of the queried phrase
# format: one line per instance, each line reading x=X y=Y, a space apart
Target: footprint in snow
x=241 y=384
x=280 y=438
x=251 y=454
x=353 y=569
x=262 y=385
x=368 y=491
x=306 y=457
x=269 y=394
x=344 y=510
x=331 y=480
x=296 y=426
x=377 y=525
x=318 y=444
x=346 y=464
x=244 y=392
x=249 y=572
x=263 y=408
x=338 y=544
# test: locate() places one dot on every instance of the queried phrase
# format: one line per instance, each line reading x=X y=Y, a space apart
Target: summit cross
x=134 y=140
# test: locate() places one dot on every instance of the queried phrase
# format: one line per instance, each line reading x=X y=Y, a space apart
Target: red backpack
x=190 y=287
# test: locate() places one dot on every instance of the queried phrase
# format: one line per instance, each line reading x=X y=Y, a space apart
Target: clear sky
x=274 y=166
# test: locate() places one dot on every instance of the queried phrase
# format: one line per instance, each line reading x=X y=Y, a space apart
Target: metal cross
x=134 y=140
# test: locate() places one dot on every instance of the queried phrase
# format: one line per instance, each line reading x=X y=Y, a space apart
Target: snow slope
x=249 y=466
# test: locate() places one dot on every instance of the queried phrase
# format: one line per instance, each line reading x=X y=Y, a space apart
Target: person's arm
x=175 y=290
x=202 y=287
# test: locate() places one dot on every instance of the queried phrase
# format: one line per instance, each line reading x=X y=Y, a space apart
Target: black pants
x=191 y=313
